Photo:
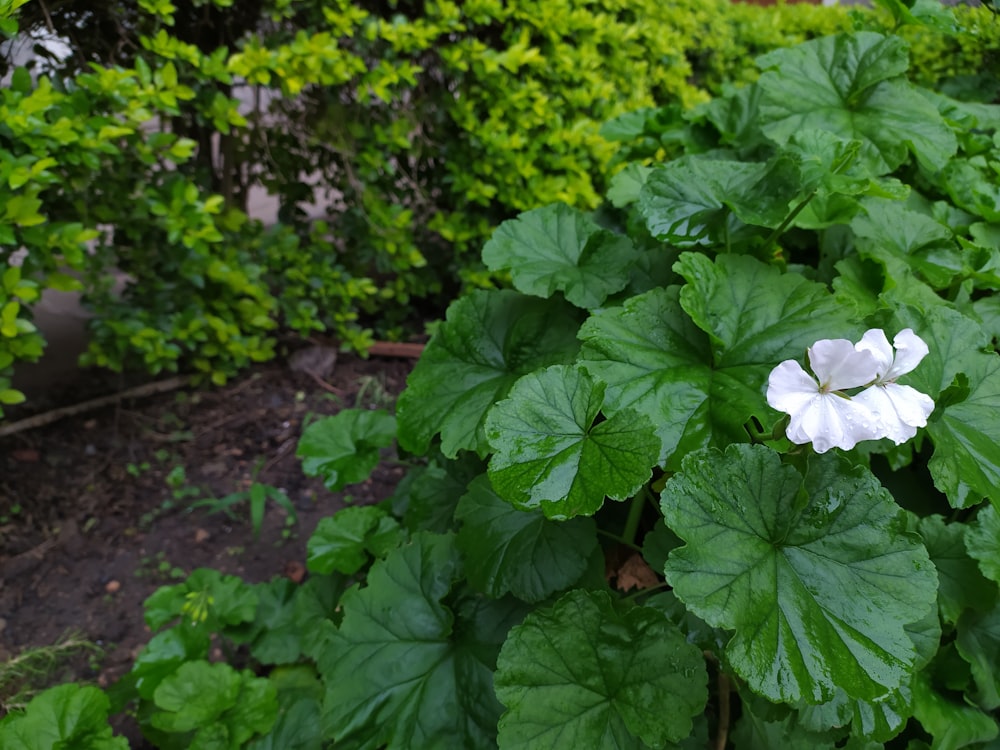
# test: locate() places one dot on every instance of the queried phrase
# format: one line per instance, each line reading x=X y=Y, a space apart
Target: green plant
x=618 y=406
x=256 y=496
x=13 y=512
x=158 y=566
x=372 y=393
x=137 y=469
x=176 y=480
x=82 y=713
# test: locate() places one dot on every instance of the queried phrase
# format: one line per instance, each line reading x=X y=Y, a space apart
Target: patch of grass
x=35 y=669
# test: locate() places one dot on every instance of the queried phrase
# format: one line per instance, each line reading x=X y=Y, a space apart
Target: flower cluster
x=824 y=415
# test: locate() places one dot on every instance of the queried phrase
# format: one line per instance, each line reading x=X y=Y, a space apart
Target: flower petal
x=876 y=342
x=839 y=365
x=900 y=409
x=789 y=387
x=830 y=420
x=910 y=349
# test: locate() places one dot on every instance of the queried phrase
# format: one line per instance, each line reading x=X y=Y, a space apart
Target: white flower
x=820 y=414
x=900 y=409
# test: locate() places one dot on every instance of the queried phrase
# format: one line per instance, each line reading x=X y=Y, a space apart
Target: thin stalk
x=638 y=504
x=773 y=237
x=620 y=540
x=645 y=592
x=722 y=733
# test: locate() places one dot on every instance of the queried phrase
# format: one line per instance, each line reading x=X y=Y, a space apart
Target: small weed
x=137 y=470
x=13 y=512
x=176 y=480
x=35 y=669
x=157 y=567
x=373 y=394
x=257 y=496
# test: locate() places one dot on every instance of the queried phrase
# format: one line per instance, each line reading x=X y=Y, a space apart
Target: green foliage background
x=418 y=127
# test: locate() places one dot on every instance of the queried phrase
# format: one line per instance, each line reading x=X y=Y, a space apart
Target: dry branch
x=140 y=391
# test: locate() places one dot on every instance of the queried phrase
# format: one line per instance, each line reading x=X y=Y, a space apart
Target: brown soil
x=90 y=524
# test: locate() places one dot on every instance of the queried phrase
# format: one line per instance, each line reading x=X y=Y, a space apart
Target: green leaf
x=207 y=595
x=164 y=653
x=926 y=636
x=345 y=448
x=754 y=313
x=591 y=672
x=971 y=184
x=735 y=116
x=9 y=396
x=297 y=728
x=274 y=634
x=960 y=584
x=965 y=424
x=66 y=716
x=805 y=571
x=344 y=542
x=427 y=496
x=982 y=540
x=488 y=340
x=216 y=702
x=952 y=340
x=978 y=642
x=560 y=248
x=695 y=201
x=549 y=453
x=966 y=435
x=698 y=391
x=626 y=185
x=952 y=725
x=255 y=711
x=197 y=694
x=520 y=552
x=907 y=241
x=853 y=85
x=880 y=719
x=754 y=733
x=406 y=670
x=921 y=12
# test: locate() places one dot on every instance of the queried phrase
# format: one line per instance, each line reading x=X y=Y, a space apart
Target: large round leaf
x=854 y=86
x=595 y=673
x=550 y=454
x=818 y=577
x=560 y=248
x=405 y=670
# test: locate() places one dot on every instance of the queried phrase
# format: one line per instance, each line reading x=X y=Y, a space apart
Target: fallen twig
x=140 y=391
x=396 y=349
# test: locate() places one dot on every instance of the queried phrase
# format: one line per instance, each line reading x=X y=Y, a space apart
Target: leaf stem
x=651 y=590
x=722 y=733
x=638 y=504
x=780 y=229
x=620 y=539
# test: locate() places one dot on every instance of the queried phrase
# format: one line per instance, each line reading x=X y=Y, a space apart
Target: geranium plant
x=645 y=522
